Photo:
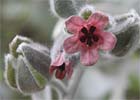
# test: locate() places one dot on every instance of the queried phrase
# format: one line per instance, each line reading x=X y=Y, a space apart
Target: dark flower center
x=88 y=37
x=62 y=67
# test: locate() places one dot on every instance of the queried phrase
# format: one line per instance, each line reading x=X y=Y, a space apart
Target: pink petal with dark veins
x=89 y=56
x=60 y=74
x=71 y=44
x=59 y=60
x=109 y=41
x=74 y=24
x=99 y=20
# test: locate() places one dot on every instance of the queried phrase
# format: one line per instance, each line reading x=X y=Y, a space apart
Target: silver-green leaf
x=9 y=73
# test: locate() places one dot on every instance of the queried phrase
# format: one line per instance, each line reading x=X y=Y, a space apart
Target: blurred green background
x=33 y=18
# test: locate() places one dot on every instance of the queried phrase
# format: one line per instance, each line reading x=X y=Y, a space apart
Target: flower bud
x=28 y=71
x=86 y=11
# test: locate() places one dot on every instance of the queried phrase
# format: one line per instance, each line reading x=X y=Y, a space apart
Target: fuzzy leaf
x=38 y=59
x=24 y=78
x=41 y=81
x=9 y=73
x=126 y=41
x=63 y=8
x=15 y=43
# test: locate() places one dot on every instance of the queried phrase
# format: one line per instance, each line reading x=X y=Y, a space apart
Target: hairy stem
x=73 y=85
x=59 y=85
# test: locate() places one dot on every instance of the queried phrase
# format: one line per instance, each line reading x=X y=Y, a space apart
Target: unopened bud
x=86 y=11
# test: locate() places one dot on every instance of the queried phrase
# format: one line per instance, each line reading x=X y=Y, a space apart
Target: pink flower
x=61 y=66
x=88 y=37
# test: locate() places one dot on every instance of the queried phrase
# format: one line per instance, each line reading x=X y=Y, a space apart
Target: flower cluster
x=82 y=34
x=87 y=38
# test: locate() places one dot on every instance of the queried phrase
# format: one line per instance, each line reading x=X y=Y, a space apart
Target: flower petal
x=99 y=20
x=109 y=41
x=51 y=69
x=71 y=44
x=89 y=56
x=74 y=23
x=59 y=60
x=60 y=74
